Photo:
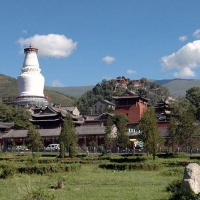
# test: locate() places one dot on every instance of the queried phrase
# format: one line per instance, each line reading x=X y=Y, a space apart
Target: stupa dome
x=31 y=81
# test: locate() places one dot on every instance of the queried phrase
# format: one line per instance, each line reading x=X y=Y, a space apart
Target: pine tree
x=172 y=133
x=149 y=131
x=122 y=139
x=68 y=138
x=187 y=130
x=108 y=140
x=34 y=138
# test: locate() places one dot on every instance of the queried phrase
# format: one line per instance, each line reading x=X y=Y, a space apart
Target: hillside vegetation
x=8 y=86
x=74 y=91
x=116 y=87
x=58 y=98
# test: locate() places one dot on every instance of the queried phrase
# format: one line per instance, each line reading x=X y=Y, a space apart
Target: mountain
x=178 y=87
x=8 y=86
x=68 y=95
x=73 y=91
x=58 y=98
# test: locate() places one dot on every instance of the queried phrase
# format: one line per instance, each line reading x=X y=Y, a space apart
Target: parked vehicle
x=53 y=147
x=21 y=148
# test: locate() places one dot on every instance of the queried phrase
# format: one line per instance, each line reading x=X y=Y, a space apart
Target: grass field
x=92 y=182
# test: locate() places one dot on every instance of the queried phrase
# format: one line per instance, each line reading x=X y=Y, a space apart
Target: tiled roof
x=44 y=115
x=90 y=130
x=6 y=125
x=82 y=130
x=23 y=133
x=70 y=108
x=104 y=116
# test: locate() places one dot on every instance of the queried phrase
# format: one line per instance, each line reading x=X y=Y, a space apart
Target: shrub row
x=197 y=157
x=45 y=169
x=128 y=166
x=127 y=159
x=8 y=169
x=177 y=163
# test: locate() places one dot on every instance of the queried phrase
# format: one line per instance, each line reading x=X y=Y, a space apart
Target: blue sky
x=82 y=42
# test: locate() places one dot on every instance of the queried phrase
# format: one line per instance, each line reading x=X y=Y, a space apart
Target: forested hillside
x=8 y=86
x=108 y=88
x=73 y=91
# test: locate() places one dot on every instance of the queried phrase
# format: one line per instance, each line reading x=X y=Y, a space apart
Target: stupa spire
x=31 y=81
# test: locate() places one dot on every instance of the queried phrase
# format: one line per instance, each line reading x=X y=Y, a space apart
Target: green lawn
x=91 y=182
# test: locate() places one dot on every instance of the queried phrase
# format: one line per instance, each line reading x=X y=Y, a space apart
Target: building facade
x=101 y=106
x=131 y=105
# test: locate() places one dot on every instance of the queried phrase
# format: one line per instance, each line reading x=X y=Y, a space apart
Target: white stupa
x=31 y=81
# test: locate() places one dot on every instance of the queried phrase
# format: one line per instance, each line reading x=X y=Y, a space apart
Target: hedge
x=128 y=166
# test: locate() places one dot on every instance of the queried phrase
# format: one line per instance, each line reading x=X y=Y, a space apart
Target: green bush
x=128 y=159
x=196 y=157
x=178 y=163
x=45 y=169
x=175 y=189
x=33 y=159
x=73 y=167
x=174 y=186
x=7 y=170
x=129 y=166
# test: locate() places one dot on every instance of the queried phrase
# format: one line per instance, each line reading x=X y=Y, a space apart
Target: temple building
x=130 y=104
x=30 y=81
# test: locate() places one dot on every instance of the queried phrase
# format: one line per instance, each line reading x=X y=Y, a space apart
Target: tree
x=108 y=140
x=34 y=138
x=181 y=106
x=122 y=139
x=5 y=113
x=187 y=130
x=172 y=133
x=21 y=117
x=149 y=131
x=68 y=139
x=185 y=113
x=193 y=95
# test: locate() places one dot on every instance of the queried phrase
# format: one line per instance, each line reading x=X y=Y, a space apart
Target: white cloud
x=130 y=71
x=108 y=59
x=186 y=72
x=52 y=45
x=183 y=38
x=185 y=60
x=196 y=34
x=57 y=83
